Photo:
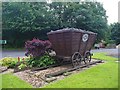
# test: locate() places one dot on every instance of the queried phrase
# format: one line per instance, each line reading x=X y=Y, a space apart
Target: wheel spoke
x=87 y=57
x=76 y=59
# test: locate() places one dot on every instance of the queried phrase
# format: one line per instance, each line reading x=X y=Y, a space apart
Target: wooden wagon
x=72 y=43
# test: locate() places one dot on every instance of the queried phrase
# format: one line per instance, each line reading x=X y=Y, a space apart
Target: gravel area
x=2 y=69
x=38 y=79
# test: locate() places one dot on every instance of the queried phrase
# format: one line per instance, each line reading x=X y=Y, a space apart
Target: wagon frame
x=73 y=45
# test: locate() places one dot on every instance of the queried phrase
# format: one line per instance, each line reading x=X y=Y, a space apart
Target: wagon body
x=67 y=41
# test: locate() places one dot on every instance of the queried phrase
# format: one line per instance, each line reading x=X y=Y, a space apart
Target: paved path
x=21 y=53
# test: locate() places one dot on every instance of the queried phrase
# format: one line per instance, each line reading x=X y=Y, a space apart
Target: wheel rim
x=76 y=59
x=87 y=57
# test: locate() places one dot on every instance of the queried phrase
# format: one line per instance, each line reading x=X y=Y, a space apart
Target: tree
x=27 y=20
x=20 y=20
x=115 y=32
x=89 y=16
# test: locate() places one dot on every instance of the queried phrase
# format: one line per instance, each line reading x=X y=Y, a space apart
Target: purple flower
x=37 y=47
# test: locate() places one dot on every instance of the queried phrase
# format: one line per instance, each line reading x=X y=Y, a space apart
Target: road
x=13 y=53
x=112 y=52
x=21 y=53
x=109 y=51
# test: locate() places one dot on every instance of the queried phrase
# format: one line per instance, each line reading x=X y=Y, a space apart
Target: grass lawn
x=101 y=76
x=11 y=81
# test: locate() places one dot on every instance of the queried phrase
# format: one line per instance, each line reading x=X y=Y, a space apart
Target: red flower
x=23 y=59
x=18 y=59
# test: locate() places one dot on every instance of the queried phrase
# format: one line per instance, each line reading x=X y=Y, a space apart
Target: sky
x=111 y=7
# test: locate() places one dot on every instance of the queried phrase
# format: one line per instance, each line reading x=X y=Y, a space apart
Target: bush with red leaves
x=37 y=47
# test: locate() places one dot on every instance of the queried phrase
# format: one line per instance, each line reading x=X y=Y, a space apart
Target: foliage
x=11 y=81
x=22 y=66
x=43 y=61
x=24 y=63
x=26 y=20
x=88 y=78
x=9 y=62
x=115 y=32
x=36 y=47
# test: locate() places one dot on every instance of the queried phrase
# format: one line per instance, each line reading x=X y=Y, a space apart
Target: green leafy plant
x=9 y=62
x=22 y=66
x=43 y=61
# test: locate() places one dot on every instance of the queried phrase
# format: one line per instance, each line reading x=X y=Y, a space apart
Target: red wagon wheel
x=87 y=57
x=76 y=59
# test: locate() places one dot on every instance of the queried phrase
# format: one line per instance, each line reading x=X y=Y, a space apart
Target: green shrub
x=22 y=66
x=43 y=61
x=9 y=62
